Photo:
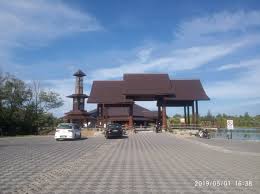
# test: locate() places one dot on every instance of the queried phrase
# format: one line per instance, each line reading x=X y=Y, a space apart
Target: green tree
x=14 y=96
x=23 y=108
x=41 y=103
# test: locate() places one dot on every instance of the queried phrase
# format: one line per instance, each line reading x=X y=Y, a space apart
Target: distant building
x=141 y=116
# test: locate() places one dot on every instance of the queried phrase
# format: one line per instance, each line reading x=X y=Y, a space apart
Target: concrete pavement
x=145 y=162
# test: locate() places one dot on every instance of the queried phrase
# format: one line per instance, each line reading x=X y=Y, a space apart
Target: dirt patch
x=184 y=133
x=91 y=133
x=87 y=133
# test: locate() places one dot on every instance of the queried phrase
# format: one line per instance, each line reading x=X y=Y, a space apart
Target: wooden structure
x=78 y=114
x=147 y=87
x=141 y=116
x=188 y=93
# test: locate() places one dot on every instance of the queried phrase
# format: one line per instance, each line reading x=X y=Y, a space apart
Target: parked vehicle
x=204 y=134
x=67 y=131
x=114 y=130
x=158 y=128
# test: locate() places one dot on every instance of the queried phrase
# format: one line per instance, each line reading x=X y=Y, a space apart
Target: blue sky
x=215 y=41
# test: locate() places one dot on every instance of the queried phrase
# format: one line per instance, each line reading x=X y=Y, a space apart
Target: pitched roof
x=107 y=92
x=147 y=84
x=145 y=87
x=189 y=90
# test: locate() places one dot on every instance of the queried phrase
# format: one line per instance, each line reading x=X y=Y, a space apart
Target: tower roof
x=78 y=95
x=79 y=73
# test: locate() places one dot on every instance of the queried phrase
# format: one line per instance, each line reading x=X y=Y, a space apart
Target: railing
x=144 y=128
x=191 y=127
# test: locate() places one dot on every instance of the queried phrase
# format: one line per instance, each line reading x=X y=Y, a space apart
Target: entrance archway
x=148 y=87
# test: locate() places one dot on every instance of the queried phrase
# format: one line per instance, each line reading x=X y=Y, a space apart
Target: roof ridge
x=108 y=81
x=146 y=74
x=184 y=79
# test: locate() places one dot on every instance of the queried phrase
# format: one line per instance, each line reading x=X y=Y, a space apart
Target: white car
x=67 y=131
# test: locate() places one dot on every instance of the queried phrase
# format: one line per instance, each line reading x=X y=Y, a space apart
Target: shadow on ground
x=81 y=139
x=123 y=137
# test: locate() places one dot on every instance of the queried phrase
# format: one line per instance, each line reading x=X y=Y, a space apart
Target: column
x=99 y=110
x=164 y=118
x=130 y=118
x=193 y=113
x=188 y=114
x=99 y=114
x=159 y=116
x=185 y=115
x=197 y=112
x=102 y=115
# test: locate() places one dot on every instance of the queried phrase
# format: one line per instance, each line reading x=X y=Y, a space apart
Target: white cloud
x=245 y=86
x=28 y=23
x=242 y=64
x=240 y=92
x=175 y=60
x=219 y=23
x=168 y=57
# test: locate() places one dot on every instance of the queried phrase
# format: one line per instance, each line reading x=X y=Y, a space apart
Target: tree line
x=220 y=120
x=240 y=121
x=24 y=107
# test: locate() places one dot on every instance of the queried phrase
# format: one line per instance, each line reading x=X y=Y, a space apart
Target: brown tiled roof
x=147 y=84
x=145 y=87
x=107 y=92
x=188 y=90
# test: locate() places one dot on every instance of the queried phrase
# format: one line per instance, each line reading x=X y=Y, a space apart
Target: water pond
x=238 y=133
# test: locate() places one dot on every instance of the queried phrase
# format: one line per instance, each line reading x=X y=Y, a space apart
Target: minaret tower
x=78 y=97
x=78 y=113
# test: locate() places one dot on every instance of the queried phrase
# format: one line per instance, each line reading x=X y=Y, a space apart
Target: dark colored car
x=114 y=130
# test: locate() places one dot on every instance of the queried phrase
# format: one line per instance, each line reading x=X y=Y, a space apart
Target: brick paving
x=234 y=145
x=140 y=163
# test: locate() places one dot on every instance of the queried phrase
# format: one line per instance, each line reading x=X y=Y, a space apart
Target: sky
x=217 y=42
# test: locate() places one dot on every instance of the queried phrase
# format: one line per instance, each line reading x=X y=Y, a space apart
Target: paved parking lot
x=142 y=162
